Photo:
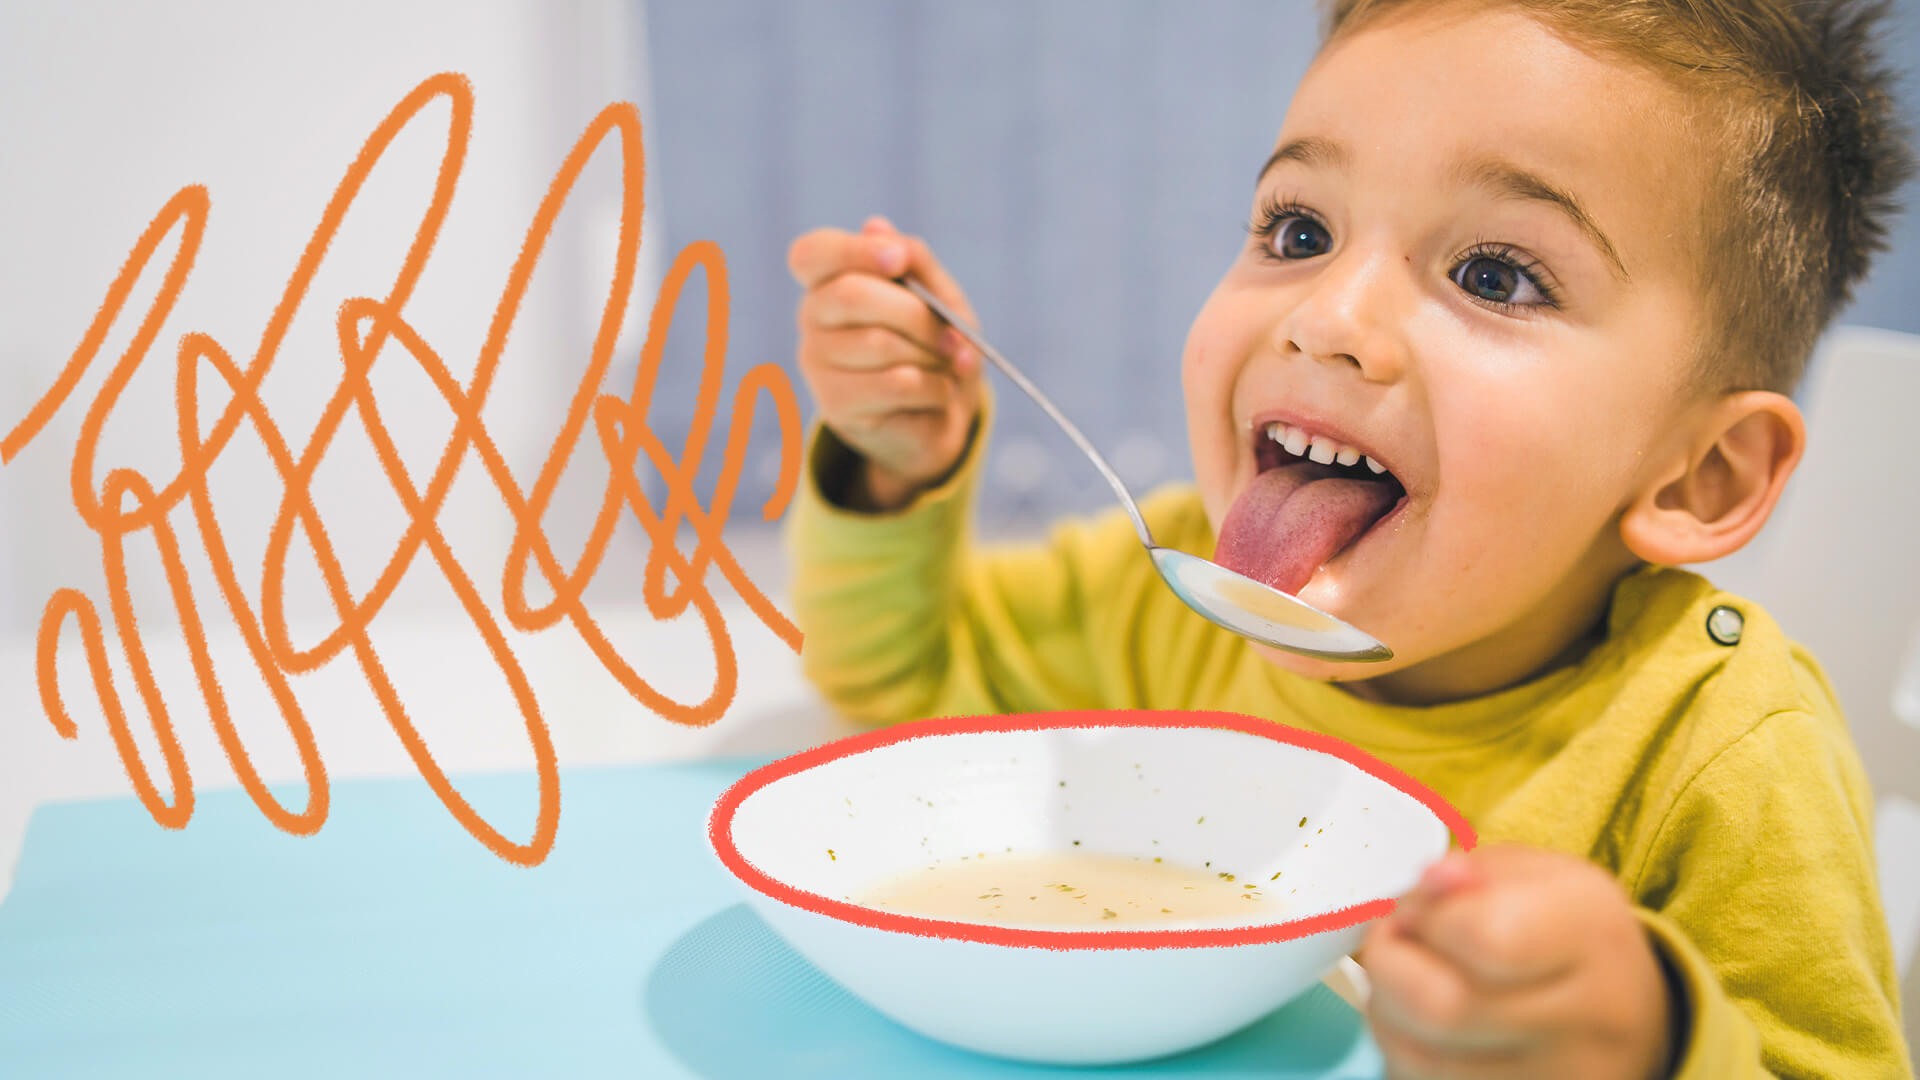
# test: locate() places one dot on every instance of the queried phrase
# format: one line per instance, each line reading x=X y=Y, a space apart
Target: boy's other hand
x=893 y=382
x=1512 y=962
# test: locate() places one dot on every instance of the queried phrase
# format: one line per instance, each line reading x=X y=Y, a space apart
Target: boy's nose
x=1350 y=313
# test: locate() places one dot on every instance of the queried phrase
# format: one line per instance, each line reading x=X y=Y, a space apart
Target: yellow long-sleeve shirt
x=1716 y=782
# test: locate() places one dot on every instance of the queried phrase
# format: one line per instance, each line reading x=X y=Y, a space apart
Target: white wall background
x=107 y=109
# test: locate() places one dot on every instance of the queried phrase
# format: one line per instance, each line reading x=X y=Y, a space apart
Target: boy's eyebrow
x=1311 y=150
x=1509 y=180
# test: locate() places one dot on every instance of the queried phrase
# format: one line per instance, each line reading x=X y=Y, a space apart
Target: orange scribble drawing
x=127 y=502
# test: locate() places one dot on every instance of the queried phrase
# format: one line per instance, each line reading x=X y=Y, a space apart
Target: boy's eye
x=1499 y=281
x=1298 y=237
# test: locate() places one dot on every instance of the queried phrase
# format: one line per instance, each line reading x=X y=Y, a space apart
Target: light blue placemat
x=392 y=944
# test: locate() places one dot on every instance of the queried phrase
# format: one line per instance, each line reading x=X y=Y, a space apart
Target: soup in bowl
x=1079 y=888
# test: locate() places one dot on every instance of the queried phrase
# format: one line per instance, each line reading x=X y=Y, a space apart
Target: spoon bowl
x=1256 y=610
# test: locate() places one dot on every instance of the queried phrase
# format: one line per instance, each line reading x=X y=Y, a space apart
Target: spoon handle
x=1013 y=374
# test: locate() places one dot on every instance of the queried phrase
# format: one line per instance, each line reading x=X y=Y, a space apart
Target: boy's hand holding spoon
x=890 y=379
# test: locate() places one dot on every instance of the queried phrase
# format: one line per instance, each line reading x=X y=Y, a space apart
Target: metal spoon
x=1250 y=608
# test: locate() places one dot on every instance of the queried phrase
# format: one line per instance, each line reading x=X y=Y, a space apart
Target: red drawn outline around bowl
x=720 y=831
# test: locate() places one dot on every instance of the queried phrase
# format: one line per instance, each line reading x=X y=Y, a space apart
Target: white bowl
x=808 y=832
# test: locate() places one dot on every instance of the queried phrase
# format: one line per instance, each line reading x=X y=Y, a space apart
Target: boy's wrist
x=879 y=490
x=1679 y=1004
x=1677 y=1013
x=856 y=482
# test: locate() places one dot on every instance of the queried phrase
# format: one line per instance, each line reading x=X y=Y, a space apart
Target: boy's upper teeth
x=1301 y=443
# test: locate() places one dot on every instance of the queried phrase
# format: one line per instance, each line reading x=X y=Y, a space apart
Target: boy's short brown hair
x=1812 y=150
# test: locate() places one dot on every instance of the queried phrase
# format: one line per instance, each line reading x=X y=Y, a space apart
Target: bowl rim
x=720 y=830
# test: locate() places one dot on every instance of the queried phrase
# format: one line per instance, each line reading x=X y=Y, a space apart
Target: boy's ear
x=1710 y=502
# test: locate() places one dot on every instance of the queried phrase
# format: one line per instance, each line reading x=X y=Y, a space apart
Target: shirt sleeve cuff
x=1714 y=1038
x=826 y=524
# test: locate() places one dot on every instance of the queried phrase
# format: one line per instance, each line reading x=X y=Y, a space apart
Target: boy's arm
x=903 y=619
x=1760 y=895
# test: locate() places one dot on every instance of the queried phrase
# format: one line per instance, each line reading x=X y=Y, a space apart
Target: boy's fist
x=892 y=381
x=1512 y=962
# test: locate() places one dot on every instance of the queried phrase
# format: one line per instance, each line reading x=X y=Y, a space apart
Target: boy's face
x=1476 y=261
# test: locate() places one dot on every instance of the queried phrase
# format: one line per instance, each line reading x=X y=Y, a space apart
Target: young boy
x=1526 y=284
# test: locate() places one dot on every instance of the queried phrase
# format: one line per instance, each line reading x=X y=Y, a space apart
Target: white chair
x=1839 y=567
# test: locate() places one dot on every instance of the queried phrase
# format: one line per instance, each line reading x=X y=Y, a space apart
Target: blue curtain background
x=1083 y=167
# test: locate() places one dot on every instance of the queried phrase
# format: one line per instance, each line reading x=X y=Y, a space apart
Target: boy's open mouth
x=1313 y=496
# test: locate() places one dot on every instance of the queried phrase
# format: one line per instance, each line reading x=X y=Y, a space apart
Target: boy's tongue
x=1295 y=517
